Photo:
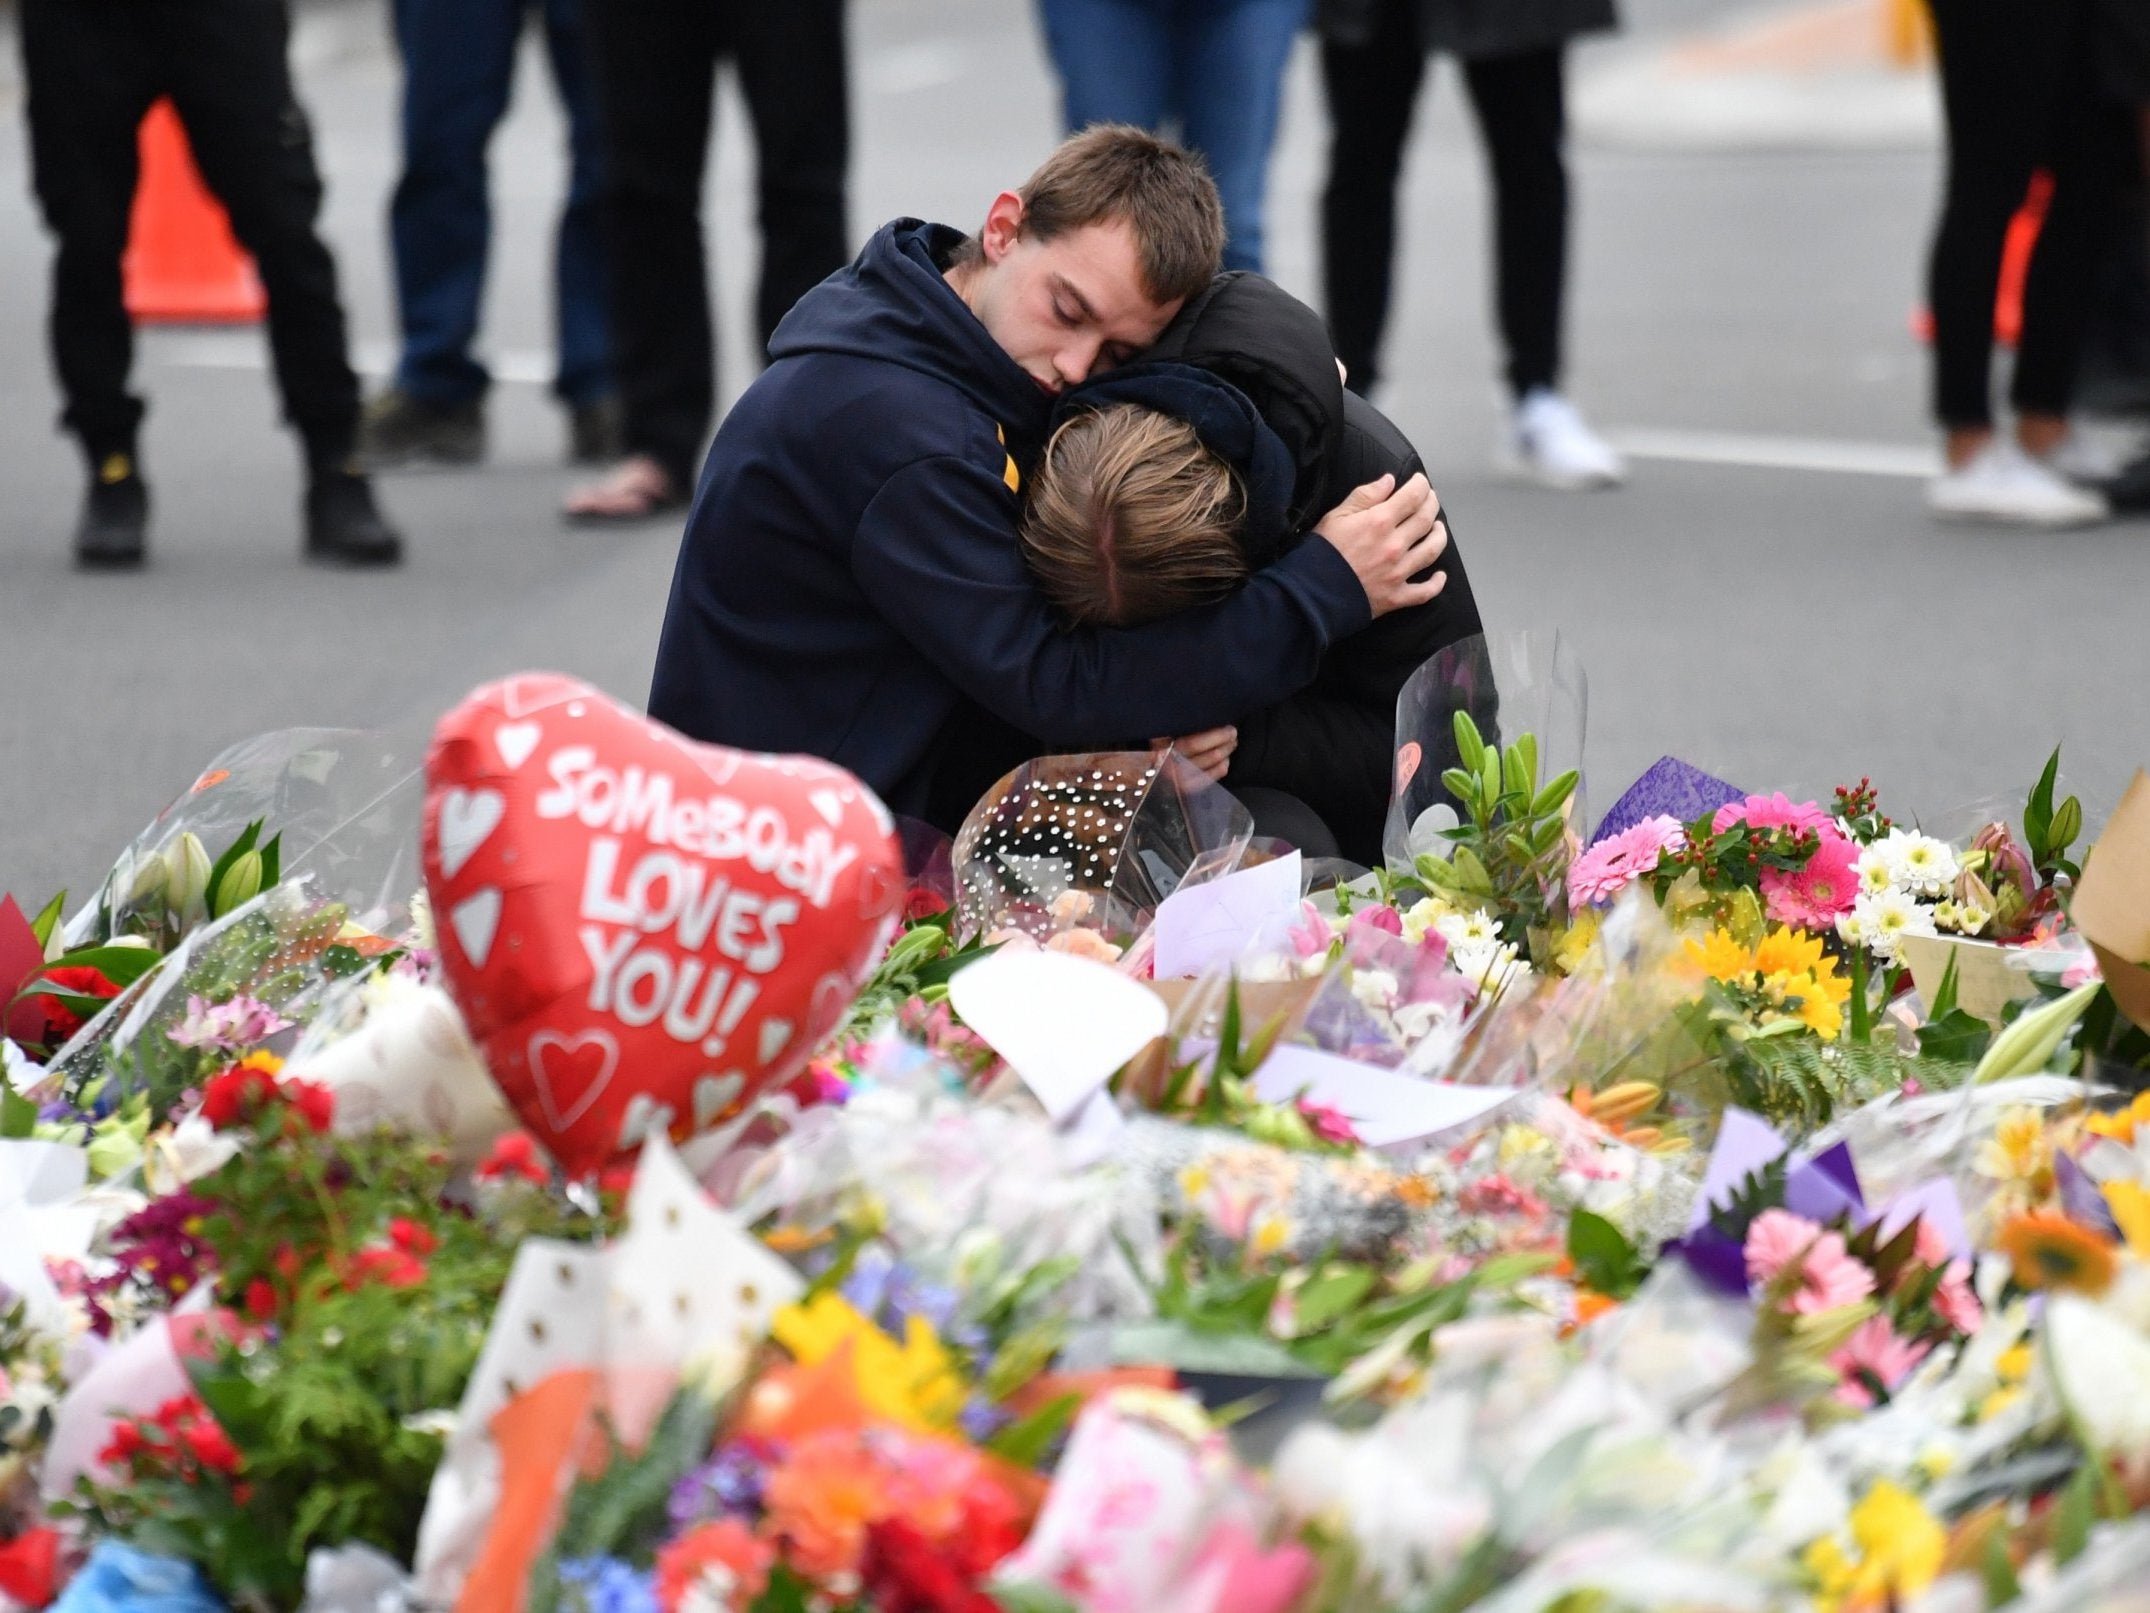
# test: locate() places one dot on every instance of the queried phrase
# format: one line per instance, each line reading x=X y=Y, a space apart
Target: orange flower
x=822 y=1499
x=2051 y=1251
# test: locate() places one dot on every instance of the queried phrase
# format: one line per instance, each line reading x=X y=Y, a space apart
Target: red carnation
x=392 y=1268
x=261 y=1300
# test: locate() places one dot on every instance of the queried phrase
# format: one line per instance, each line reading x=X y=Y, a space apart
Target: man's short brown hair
x=1113 y=171
x=1130 y=518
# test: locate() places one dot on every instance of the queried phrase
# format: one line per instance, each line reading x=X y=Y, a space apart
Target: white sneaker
x=2004 y=484
x=2086 y=461
x=1550 y=442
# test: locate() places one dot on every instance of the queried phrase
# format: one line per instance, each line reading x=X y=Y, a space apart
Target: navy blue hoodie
x=850 y=569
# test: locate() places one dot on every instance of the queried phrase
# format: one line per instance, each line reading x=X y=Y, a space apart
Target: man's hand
x=1211 y=750
x=1390 y=534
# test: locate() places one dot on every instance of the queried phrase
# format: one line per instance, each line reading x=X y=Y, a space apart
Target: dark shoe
x=2129 y=492
x=595 y=434
x=344 y=525
x=115 y=517
x=399 y=429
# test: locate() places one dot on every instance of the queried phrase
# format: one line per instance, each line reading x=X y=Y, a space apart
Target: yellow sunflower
x=2051 y=1251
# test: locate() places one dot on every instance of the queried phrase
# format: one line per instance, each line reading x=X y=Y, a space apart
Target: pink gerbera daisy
x=1617 y=861
x=1814 y=896
x=1775 y=1239
x=1770 y=812
x=1874 y=1353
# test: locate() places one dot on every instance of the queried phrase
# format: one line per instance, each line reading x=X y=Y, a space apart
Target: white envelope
x=1200 y=927
x=1063 y=1023
x=1385 y=1107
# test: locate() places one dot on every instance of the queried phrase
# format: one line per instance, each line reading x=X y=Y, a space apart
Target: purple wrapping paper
x=1673 y=788
x=1821 y=1189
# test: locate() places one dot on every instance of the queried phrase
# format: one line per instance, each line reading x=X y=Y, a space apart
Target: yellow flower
x=1719 y=956
x=913 y=1383
x=2120 y=1125
x=2018 y=1153
x=2130 y=1204
x=1788 y=951
x=1576 y=942
x=1900 y=1548
x=1821 y=1003
x=1271 y=1233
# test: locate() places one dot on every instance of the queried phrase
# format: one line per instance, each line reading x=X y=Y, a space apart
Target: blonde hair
x=1131 y=518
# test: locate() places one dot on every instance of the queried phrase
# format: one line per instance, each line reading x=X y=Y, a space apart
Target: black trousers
x=1520 y=105
x=2020 y=87
x=656 y=61
x=91 y=69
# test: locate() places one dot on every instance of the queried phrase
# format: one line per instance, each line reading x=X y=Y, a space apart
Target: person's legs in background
x=88 y=77
x=2003 y=68
x=231 y=82
x=1229 y=58
x=793 y=72
x=655 y=71
x=1114 y=60
x=582 y=314
x=1521 y=106
x=1371 y=89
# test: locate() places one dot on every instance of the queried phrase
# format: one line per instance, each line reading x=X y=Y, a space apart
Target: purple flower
x=237 y=1026
x=606 y=1585
x=729 y=1484
x=980 y=1419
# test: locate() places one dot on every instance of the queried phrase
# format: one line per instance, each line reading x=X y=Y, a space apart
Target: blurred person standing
x=2020 y=91
x=1513 y=54
x=2125 y=51
x=656 y=78
x=458 y=69
x=1211 y=69
x=91 y=71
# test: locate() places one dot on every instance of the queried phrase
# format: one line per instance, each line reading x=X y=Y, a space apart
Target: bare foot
x=638 y=489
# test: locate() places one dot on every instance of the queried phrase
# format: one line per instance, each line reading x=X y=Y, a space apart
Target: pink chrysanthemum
x=1770 y=812
x=1814 y=896
x=1775 y=1239
x=1617 y=861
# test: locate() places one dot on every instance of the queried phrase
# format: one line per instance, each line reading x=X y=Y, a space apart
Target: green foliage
x=1510 y=848
x=1802 y=1082
x=2049 y=831
x=1603 y=1257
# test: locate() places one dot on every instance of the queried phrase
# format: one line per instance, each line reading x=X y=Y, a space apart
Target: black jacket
x=1332 y=744
x=1470 y=28
x=850 y=570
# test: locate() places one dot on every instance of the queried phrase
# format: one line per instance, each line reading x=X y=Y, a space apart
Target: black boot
x=399 y=429
x=115 y=517
x=344 y=526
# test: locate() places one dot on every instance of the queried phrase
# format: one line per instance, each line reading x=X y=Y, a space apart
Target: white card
x=1064 y=1024
x=1385 y=1108
x=1199 y=927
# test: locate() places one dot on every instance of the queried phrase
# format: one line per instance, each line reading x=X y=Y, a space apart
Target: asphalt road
x=1784 y=627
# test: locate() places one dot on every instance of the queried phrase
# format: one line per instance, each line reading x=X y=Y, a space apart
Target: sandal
x=639 y=490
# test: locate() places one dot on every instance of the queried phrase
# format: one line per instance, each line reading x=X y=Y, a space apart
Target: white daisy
x=1891 y=916
x=1472 y=929
x=1876 y=870
x=1924 y=866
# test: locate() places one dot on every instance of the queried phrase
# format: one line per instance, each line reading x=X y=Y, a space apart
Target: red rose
x=236 y=1096
x=261 y=1300
x=315 y=1103
x=412 y=1237
x=79 y=980
x=923 y=902
x=392 y=1268
x=210 y=1446
x=515 y=1154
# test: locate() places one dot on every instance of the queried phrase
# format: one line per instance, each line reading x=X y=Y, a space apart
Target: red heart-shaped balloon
x=643 y=932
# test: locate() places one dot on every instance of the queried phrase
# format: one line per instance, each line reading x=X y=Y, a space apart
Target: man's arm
x=936 y=551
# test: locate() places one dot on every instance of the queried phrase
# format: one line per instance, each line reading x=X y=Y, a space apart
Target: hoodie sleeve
x=936 y=550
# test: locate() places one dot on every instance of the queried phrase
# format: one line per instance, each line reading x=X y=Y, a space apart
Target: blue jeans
x=458 y=66
x=1215 y=68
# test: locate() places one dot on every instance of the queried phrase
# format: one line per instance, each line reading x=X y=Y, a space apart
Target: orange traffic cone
x=182 y=265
